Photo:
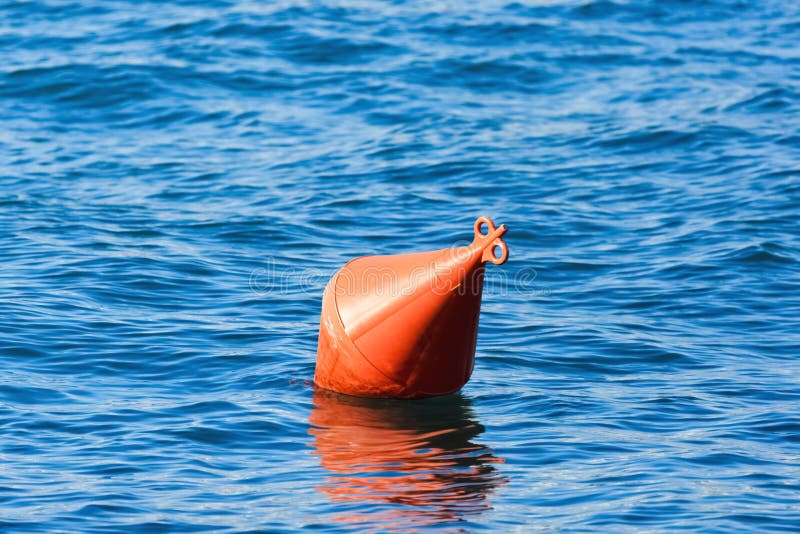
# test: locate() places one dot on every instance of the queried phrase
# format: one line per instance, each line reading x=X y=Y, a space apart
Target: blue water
x=178 y=180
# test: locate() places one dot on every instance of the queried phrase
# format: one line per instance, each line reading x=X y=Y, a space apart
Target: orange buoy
x=405 y=325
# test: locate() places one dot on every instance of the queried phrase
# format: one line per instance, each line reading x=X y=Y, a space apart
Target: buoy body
x=405 y=326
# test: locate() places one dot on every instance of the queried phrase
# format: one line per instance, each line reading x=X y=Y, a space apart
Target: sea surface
x=178 y=180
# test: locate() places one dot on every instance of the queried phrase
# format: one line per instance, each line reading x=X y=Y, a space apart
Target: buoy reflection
x=400 y=463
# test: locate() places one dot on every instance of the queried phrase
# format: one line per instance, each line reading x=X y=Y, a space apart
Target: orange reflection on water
x=402 y=464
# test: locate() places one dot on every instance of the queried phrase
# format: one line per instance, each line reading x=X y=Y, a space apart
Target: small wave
x=769 y=101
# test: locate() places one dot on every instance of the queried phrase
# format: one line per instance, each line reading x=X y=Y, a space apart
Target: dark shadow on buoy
x=399 y=465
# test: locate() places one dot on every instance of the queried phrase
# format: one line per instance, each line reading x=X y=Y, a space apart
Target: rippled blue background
x=179 y=179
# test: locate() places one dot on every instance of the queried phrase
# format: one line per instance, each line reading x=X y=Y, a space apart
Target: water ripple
x=180 y=180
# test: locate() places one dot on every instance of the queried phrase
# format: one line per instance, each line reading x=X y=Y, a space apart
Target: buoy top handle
x=491 y=241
